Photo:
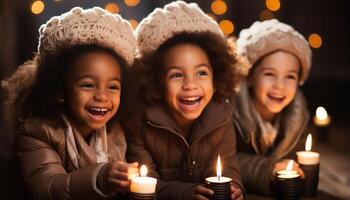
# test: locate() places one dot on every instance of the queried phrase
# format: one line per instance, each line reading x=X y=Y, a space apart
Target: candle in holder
x=322 y=120
x=288 y=183
x=310 y=164
x=219 y=184
x=143 y=187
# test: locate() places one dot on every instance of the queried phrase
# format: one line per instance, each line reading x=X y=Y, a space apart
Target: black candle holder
x=141 y=196
x=310 y=183
x=222 y=189
x=288 y=187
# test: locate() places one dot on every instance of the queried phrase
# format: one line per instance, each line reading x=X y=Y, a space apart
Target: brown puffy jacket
x=40 y=150
x=182 y=163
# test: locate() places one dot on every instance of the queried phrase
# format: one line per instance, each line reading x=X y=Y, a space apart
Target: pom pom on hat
x=174 y=18
x=265 y=37
x=90 y=26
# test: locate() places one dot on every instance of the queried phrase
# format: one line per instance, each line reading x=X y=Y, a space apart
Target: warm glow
x=321 y=113
x=212 y=16
x=226 y=26
x=131 y=2
x=143 y=171
x=290 y=166
x=315 y=40
x=273 y=5
x=112 y=8
x=218 y=167
x=266 y=15
x=218 y=7
x=133 y=23
x=38 y=7
x=308 y=142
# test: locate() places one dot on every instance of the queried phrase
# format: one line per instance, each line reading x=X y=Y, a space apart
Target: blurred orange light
x=212 y=16
x=131 y=2
x=273 y=5
x=265 y=15
x=315 y=40
x=133 y=23
x=37 y=7
x=112 y=8
x=227 y=26
x=218 y=7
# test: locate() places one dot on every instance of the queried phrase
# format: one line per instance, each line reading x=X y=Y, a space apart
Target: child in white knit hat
x=190 y=75
x=271 y=113
x=70 y=144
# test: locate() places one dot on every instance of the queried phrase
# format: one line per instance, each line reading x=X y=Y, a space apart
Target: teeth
x=99 y=109
x=190 y=98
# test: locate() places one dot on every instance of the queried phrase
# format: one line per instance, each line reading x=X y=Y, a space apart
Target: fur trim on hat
x=174 y=18
x=268 y=36
x=90 y=26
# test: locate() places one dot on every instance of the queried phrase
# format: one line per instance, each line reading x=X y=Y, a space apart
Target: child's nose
x=279 y=83
x=101 y=95
x=189 y=84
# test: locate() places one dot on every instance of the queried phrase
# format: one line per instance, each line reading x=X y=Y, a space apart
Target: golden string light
x=112 y=8
x=315 y=40
x=218 y=7
x=273 y=5
x=226 y=26
x=37 y=7
x=131 y=3
x=133 y=23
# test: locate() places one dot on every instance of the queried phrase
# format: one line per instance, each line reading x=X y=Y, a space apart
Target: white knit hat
x=90 y=26
x=174 y=18
x=268 y=36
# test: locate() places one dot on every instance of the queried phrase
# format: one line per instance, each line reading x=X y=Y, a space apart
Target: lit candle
x=288 y=183
x=308 y=157
x=288 y=172
x=321 y=118
x=218 y=178
x=143 y=184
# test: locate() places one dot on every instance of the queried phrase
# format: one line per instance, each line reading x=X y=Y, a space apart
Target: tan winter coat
x=181 y=163
x=40 y=150
x=256 y=167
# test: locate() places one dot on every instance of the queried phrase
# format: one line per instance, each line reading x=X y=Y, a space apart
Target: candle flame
x=308 y=142
x=290 y=165
x=218 y=167
x=321 y=113
x=143 y=171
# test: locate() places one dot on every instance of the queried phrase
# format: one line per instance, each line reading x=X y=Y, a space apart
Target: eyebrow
x=269 y=68
x=93 y=77
x=178 y=67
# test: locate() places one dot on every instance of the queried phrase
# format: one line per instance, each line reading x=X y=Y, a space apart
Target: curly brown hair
x=222 y=56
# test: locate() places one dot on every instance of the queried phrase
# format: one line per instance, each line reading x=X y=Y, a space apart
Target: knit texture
x=268 y=36
x=90 y=26
x=174 y=18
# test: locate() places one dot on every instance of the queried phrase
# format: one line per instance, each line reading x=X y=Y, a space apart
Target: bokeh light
x=37 y=7
x=112 y=8
x=133 y=23
x=227 y=26
x=212 y=16
x=265 y=15
x=131 y=2
x=273 y=5
x=315 y=40
x=218 y=7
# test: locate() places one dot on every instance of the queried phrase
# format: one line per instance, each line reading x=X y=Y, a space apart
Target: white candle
x=308 y=157
x=143 y=184
x=321 y=118
x=288 y=172
x=218 y=178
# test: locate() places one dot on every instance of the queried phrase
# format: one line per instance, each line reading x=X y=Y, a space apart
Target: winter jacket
x=255 y=166
x=41 y=154
x=182 y=163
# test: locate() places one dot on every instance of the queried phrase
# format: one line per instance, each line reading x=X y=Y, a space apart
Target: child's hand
x=236 y=193
x=118 y=175
x=282 y=165
x=202 y=193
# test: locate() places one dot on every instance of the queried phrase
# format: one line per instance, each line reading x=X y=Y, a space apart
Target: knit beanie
x=174 y=18
x=90 y=26
x=268 y=36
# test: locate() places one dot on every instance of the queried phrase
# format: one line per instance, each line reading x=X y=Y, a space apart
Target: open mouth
x=97 y=112
x=276 y=98
x=190 y=100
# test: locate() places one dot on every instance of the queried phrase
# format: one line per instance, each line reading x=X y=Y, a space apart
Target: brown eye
x=175 y=75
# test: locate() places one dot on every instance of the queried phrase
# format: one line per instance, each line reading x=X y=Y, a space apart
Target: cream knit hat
x=265 y=37
x=174 y=18
x=90 y=26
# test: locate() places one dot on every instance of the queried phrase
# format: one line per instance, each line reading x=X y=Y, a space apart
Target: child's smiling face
x=187 y=82
x=274 y=83
x=93 y=91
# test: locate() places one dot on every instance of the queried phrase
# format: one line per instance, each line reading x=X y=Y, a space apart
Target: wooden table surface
x=320 y=196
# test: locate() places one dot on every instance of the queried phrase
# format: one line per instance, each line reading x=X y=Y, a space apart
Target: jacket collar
x=213 y=116
x=293 y=121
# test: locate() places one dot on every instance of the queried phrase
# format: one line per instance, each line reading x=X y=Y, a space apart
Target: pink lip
x=189 y=107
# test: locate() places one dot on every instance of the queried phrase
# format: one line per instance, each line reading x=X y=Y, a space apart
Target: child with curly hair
x=190 y=73
x=271 y=113
x=70 y=144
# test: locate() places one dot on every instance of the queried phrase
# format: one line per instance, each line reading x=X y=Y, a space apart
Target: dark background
x=328 y=84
